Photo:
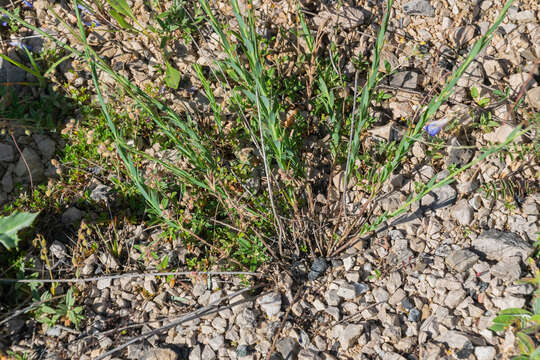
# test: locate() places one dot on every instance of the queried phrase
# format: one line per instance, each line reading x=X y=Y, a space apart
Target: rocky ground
x=425 y=286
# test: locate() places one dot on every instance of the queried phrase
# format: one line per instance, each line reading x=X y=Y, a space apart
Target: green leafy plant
x=172 y=76
x=66 y=311
x=177 y=17
x=475 y=94
x=525 y=323
x=11 y=225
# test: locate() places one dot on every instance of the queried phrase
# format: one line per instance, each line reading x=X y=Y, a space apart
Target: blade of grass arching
x=432 y=185
x=150 y=196
x=216 y=109
x=252 y=79
x=366 y=95
x=218 y=29
x=35 y=66
x=55 y=65
x=277 y=220
x=305 y=30
x=239 y=74
x=408 y=141
x=19 y=65
x=175 y=170
x=123 y=8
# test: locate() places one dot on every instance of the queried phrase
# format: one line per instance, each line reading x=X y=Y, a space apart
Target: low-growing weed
x=525 y=323
x=65 y=311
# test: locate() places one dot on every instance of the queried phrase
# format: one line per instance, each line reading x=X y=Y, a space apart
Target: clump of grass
x=188 y=198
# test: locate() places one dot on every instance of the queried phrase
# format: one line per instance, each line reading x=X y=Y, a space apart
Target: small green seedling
x=66 y=311
x=525 y=323
x=480 y=101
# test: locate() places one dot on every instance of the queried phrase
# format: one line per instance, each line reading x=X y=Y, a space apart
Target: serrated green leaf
x=172 y=77
x=11 y=225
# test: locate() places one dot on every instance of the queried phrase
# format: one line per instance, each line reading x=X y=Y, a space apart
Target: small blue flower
x=435 y=127
x=83 y=9
x=93 y=23
x=20 y=45
x=28 y=3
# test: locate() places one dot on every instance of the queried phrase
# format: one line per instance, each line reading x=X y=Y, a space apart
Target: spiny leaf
x=10 y=226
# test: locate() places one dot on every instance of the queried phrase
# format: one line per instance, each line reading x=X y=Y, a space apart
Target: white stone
x=349 y=335
x=484 y=352
x=271 y=304
x=462 y=212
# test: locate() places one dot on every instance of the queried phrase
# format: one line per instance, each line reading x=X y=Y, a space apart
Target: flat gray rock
x=461 y=260
x=344 y=16
x=508 y=269
x=349 y=335
x=6 y=153
x=208 y=353
x=454 y=339
x=484 y=352
x=33 y=161
x=419 y=7
x=498 y=245
x=405 y=79
x=287 y=347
